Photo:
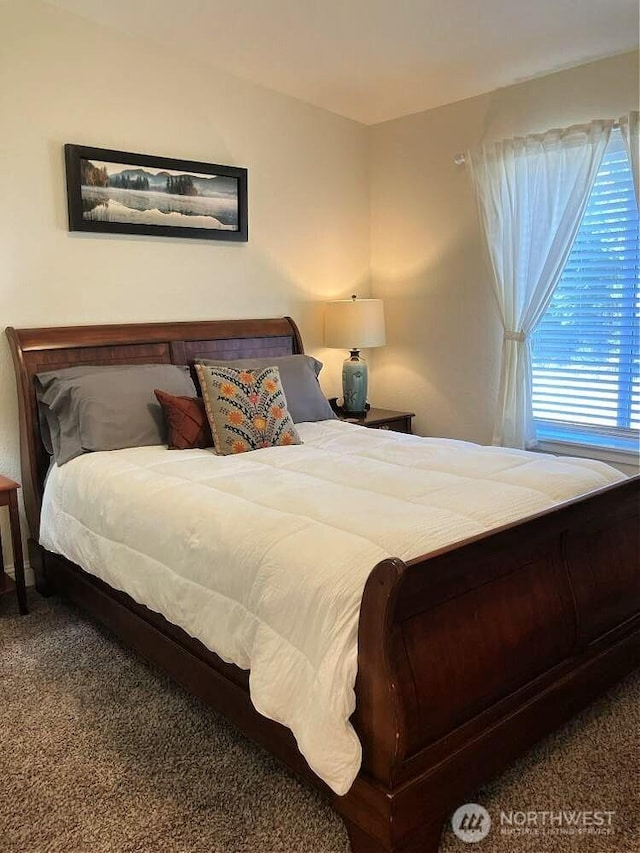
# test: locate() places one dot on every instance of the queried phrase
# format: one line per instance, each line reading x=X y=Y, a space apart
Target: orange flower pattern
x=260 y=423
x=247 y=409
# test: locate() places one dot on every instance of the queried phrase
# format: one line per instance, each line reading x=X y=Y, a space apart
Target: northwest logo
x=471 y=822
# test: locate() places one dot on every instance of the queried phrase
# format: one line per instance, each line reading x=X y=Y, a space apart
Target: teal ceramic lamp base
x=354 y=383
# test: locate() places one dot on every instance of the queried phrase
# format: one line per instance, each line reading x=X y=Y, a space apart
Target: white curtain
x=631 y=136
x=531 y=195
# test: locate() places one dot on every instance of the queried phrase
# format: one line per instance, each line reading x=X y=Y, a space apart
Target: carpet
x=102 y=753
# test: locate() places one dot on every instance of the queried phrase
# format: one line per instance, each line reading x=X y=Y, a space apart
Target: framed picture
x=122 y=193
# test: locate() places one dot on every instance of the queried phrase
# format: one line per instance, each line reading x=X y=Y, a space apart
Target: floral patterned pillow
x=246 y=409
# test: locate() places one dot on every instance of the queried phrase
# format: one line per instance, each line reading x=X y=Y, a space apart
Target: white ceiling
x=373 y=60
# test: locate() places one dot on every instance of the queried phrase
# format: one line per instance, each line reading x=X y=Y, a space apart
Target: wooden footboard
x=469 y=656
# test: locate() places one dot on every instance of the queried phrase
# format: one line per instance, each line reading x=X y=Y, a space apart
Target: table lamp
x=354 y=324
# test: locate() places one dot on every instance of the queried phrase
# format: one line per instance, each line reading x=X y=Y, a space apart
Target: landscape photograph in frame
x=124 y=193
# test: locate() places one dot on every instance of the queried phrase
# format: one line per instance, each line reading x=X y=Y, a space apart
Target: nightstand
x=9 y=498
x=382 y=419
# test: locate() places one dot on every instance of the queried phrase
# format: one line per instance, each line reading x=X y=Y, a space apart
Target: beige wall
x=66 y=80
x=427 y=262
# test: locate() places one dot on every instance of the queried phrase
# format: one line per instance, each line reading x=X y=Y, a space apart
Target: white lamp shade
x=354 y=323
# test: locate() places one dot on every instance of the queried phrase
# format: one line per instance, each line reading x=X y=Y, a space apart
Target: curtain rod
x=461 y=158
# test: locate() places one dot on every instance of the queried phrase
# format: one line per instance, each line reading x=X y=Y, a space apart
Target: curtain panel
x=531 y=195
x=631 y=135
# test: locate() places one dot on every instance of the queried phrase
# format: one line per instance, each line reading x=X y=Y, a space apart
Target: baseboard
x=29 y=577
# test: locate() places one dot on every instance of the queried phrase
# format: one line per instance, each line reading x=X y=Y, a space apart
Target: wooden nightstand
x=383 y=419
x=9 y=497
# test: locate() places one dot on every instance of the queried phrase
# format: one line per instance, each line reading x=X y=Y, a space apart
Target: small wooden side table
x=381 y=419
x=9 y=497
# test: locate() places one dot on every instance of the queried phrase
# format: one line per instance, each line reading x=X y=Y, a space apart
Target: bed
x=465 y=657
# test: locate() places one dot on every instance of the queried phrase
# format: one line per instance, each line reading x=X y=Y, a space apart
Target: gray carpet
x=101 y=753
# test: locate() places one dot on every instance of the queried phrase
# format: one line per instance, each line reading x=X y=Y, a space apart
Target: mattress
x=263 y=556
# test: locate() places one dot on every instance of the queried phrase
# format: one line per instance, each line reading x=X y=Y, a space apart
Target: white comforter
x=264 y=556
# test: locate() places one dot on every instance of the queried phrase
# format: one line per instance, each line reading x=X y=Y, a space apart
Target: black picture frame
x=126 y=201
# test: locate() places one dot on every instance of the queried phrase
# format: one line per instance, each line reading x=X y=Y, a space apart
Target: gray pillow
x=299 y=376
x=89 y=408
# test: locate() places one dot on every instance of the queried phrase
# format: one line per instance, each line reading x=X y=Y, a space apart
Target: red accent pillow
x=186 y=420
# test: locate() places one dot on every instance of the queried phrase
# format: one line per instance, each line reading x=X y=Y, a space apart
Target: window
x=586 y=357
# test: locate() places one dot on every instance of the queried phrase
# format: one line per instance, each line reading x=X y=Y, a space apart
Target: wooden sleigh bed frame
x=466 y=657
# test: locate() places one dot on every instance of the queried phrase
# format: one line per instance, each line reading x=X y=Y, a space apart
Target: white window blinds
x=585 y=353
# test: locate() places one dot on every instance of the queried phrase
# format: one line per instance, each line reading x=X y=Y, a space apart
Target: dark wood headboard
x=38 y=350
